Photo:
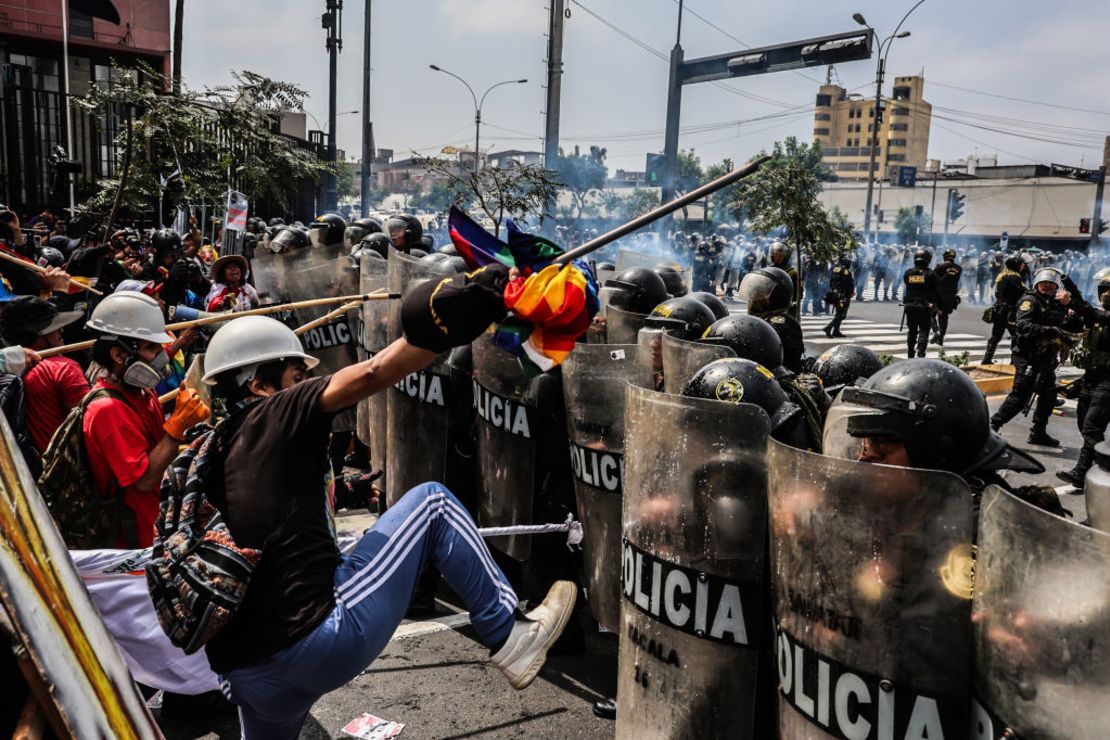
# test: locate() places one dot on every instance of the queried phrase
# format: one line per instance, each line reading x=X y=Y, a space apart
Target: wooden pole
x=377 y=295
x=41 y=270
x=300 y=330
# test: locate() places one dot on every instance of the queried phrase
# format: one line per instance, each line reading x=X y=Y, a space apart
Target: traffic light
x=1084 y=226
x=1102 y=226
x=955 y=205
x=656 y=164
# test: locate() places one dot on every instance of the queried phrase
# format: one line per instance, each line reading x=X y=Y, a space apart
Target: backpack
x=85 y=517
x=197 y=575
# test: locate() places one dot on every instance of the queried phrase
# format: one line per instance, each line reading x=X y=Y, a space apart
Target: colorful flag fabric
x=475 y=245
x=235 y=218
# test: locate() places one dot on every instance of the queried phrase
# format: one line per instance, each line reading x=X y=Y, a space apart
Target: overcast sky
x=614 y=90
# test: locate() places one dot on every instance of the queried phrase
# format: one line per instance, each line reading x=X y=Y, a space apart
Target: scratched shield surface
x=693 y=584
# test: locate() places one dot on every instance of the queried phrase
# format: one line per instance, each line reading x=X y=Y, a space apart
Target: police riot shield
x=374 y=336
x=871 y=569
x=627 y=259
x=595 y=378
x=682 y=359
x=419 y=404
x=693 y=608
x=621 y=327
x=649 y=357
x=1041 y=625
x=506 y=448
x=310 y=273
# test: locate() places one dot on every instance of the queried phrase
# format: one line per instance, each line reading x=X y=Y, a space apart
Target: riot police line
x=756 y=587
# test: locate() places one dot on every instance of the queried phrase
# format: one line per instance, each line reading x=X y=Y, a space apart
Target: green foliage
x=612 y=202
x=345 y=178
x=911 y=227
x=724 y=205
x=959 y=360
x=582 y=174
x=640 y=202
x=784 y=195
x=499 y=192
x=222 y=137
x=690 y=173
x=885 y=358
x=436 y=198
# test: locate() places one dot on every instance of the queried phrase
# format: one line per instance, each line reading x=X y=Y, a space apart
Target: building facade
x=844 y=126
x=32 y=112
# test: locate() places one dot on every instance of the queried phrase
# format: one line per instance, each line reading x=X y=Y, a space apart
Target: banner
x=235 y=218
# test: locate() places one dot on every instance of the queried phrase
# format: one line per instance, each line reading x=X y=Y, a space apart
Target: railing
x=19 y=25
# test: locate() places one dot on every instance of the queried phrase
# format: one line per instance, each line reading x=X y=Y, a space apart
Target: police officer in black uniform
x=780 y=258
x=842 y=284
x=1009 y=287
x=948 y=275
x=919 y=298
x=1093 y=411
x=1042 y=315
x=769 y=292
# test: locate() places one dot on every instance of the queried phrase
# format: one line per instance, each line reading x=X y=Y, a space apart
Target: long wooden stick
x=40 y=270
x=377 y=295
x=300 y=330
x=657 y=213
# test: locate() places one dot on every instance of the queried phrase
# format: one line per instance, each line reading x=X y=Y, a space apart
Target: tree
x=499 y=192
x=224 y=137
x=689 y=176
x=639 y=202
x=435 y=199
x=345 y=181
x=612 y=202
x=911 y=225
x=783 y=194
x=582 y=174
x=723 y=204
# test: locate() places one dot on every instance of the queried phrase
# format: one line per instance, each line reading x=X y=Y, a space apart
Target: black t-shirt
x=274 y=471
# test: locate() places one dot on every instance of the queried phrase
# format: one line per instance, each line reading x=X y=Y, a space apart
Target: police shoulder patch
x=778 y=320
x=1026 y=305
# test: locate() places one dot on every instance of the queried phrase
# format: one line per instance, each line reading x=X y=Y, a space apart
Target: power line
x=1020 y=100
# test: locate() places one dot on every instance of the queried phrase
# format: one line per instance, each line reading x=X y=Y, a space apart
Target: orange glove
x=187 y=411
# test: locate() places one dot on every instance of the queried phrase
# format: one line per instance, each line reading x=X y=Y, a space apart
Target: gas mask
x=140 y=374
x=1104 y=299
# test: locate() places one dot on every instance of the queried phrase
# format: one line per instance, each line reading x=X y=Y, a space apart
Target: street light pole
x=477 y=107
x=873 y=137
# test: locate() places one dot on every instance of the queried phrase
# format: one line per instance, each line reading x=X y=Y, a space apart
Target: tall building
x=844 y=126
x=32 y=112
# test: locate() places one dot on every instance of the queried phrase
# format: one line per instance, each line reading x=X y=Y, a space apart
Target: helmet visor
x=756 y=287
x=285 y=241
x=837 y=441
x=352 y=235
x=318 y=235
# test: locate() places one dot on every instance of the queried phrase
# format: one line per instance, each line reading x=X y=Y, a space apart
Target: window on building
x=897 y=142
x=848 y=142
x=856 y=143
x=824 y=100
x=901 y=111
x=901 y=93
x=80 y=24
x=43 y=70
x=820 y=132
x=896 y=158
x=899 y=127
x=870 y=112
x=822 y=117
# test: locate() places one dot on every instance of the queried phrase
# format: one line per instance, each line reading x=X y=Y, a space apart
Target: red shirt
x=53 y=387
x=118 y=439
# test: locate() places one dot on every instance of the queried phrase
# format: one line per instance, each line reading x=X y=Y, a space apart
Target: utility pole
x=367 y=125
x=332 y=20
x=947 y=213
x=933 y=210
x=554 y=92
x=1096 y=221
x=674 y=116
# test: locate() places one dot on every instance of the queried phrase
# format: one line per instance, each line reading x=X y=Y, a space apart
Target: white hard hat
x=130 y=314
x=247 y=342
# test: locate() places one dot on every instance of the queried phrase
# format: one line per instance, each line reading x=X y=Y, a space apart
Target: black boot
x=828 y=331
x=1039 y=436
x=988 y=356
x=1072 y=477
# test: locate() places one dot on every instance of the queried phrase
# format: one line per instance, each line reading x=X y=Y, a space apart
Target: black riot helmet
x=605 y=266
x=712 y=302
x=287 y=239
x=405 y=231
x=448 y=249
x=417 y=253
x=378 y=243
x=736 y=380
x=1014 y=262
x=275 y=221
x=327 y=229
x=750 y=337
x=767 y=290
x=922 y=258
x=930 y=406
x=638 y=290
x=428 y=242
x=672 y=278
x=682 y=317
x=165 y=240
x=1101 y=279
x=950 y=255
x=359 y=229
x=845 y=364
x=456 y=263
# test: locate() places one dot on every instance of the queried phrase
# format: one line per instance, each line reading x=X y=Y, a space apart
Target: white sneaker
x=524 y=653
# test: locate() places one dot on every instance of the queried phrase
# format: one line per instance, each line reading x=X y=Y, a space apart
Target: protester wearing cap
x=55 y=385
x=230 y=290
x=128 y=444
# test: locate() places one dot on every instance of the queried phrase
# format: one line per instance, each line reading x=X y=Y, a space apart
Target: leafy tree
x=783 y=194
x=911 y=225
x=690 y=175
x=436 y=198
x=224 y=137
x=612 y=202
x=499 y=192
x=582 y=174
x=640 y=201
x=723 y=205
x=345 y=181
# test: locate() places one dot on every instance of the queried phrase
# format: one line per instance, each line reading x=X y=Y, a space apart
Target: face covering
x=1105 y=299
x=140 y=374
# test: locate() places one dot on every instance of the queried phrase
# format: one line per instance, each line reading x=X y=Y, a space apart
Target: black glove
x=442 y=313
